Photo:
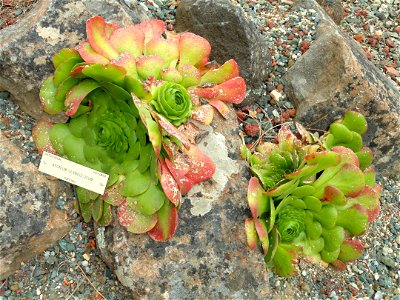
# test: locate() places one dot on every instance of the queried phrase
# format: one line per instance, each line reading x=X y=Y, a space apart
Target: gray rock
x=334 y=9
x=208 y=257
x=334 y=76
x=29 y=221
x=231 y=35
x=27 y=47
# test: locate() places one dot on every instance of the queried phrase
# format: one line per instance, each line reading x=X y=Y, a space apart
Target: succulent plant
x=130 y=95
x=306 y=199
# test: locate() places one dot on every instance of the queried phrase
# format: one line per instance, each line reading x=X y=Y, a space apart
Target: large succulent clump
x=312 y=199
x=130 y=94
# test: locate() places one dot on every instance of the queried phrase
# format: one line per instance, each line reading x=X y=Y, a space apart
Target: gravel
x=73 y=268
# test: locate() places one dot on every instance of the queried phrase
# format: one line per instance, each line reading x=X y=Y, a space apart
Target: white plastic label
x=73 y=173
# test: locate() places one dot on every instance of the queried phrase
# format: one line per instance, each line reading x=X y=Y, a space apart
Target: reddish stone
x=368 y=54
x=304 y=46
x=252 y=129
x=279 y=87
x=241 y=116
x=270 y=24
x=372 y=41
x=390 y=43
x=291 y=112
x=392 y=72
x=301 y=33
x=285 y=116
x=397 y=29
x=358 y=37
x=366 y=27
x=290 y=37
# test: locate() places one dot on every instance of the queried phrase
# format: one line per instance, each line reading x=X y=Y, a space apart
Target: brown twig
x=97 y=291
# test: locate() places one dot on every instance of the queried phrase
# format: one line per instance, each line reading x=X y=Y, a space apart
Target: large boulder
x=29 y=220
x=208 y=257
x=231 y=35
x=333 y=76
x=334 y=9
x=27 y=47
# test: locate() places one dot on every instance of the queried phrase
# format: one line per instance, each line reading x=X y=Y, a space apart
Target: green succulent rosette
x=312 y=199
x=172 y=101
x=290 y=223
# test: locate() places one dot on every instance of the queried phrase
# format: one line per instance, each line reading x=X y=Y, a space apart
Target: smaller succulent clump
x=312 y=198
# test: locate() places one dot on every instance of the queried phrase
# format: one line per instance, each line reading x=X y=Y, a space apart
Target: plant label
x=74 y=173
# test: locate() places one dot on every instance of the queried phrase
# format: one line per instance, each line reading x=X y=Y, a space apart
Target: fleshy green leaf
x=225 y=72
x=47 y=95
x=251 y=233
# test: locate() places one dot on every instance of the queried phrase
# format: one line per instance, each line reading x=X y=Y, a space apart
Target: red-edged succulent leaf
x=151 y=29
x=128 y=39
x=166 y=49
x=194 y=49
x=369 y=199
x=339 y=265
x=41 y=136
x=126 y=61
x=262 y=232
x=135 y=221
x=208 y=93
x=350 y=250
x=283 y=189
x=190 y=75
x=108 y=73
x=233 y=90
x=169 y=185
x=334 y=196
x=258 y=201
x=183 y=183
x=77 y=71
x=167 y=223
x=149 y=66
x=64 y=55
x=349 y=179
x=76 y=95
x=285 y=260
x=172 y=130
x=96 y=34
x=111 y=26
x=47 y=95
x=221 y=107
x=203 y=114
x=225 y=72
x=251 y=233
x=153 y=129
x=201 y=166
x=89 y=55
x=171 y=74
x=346 y=155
